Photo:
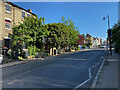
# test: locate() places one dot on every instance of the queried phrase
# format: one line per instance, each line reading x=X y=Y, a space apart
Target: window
x=28 y=15
x=7 y=24
x=23 y=14
x=8 y=8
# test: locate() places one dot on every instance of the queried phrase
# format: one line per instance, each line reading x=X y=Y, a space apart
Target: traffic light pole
x=108 y=23
x=109 y=36
x=110 y=46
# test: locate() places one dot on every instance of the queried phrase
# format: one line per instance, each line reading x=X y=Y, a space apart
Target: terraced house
x=10 y=15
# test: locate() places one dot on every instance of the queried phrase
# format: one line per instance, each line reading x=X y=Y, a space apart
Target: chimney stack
x=29 y=10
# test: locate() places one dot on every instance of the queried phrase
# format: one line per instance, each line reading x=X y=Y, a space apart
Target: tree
x=71 y=33
x=30 y=33
x=81 y=40
x=89 y=42
x=37 y=36
x=116 y=35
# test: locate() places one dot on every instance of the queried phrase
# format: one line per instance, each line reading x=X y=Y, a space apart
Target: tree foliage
x=30 y=33
x=62 y=34
x=33 y=31
x=116 y=34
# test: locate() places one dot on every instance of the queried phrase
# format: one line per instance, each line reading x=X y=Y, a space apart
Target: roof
x=14 y=5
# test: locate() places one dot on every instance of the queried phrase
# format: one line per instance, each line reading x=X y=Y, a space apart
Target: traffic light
x=109 y=33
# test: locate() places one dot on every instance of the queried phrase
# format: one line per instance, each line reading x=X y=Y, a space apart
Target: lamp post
x=109 y=31
x=108 y=21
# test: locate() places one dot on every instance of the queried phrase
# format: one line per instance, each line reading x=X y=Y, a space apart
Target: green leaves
x=30 y=31
x=116 y=34
x=34 y=33
x=63 y=33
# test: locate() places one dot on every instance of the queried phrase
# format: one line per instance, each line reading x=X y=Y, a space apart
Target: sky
x=87 y=16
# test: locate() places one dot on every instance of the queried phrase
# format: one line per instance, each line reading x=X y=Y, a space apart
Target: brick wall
x=15 y=16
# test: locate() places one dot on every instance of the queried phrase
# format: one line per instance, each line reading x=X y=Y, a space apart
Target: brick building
x=10 y=15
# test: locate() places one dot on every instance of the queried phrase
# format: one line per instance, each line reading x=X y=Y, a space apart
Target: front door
x=7 y=43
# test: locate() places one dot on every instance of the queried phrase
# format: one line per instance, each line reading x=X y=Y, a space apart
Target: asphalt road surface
x=64 y=71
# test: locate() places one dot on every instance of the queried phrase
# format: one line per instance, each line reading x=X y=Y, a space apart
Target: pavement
x=108 y=77
x=13 y=63
x=76 y=70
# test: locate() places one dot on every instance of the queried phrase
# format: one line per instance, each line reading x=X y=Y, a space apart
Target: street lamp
x=109 y=33
x=108 y=21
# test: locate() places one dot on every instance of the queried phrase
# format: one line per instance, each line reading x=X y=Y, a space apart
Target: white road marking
x=90 y=76
x=96 y=77
x=15 y=78
x=12 y=82
x=22 y=74
x=81 y=84
x=94 y=65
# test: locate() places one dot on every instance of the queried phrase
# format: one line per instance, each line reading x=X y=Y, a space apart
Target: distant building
x=101 y=41
x=89 y=39
x=10 y=15
x=96 y=41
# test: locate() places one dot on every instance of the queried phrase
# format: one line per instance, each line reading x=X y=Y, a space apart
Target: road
x=64 y=71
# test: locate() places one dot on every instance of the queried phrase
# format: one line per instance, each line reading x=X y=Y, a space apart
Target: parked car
x=103 y=46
